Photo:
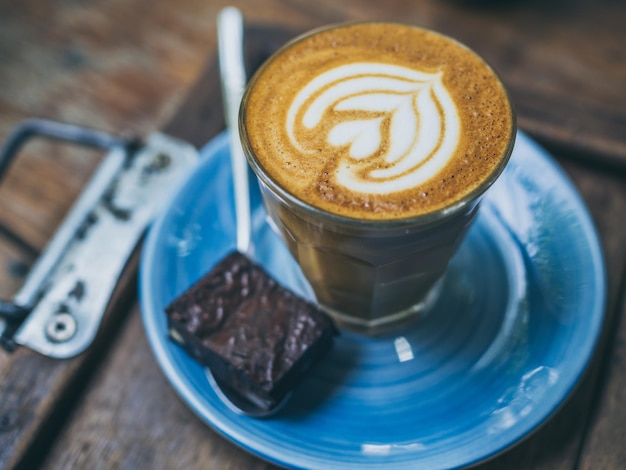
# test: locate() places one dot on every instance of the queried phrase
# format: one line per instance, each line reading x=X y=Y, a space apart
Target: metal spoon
x=233 y=79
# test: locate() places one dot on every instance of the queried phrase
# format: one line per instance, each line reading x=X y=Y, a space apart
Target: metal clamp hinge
x=58 y=310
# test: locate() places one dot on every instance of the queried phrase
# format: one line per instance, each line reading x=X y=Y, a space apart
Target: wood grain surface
x=119 y=66
x=126 y=66
x=604 y=446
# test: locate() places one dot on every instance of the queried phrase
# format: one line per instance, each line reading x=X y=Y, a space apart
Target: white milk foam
x=424 y=125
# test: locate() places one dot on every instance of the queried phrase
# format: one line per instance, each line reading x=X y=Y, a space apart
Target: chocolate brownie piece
x=254 y=335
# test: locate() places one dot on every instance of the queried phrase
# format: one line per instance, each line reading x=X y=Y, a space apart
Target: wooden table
x=129 y=66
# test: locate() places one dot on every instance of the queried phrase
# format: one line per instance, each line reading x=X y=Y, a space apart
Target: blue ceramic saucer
x=508 y=339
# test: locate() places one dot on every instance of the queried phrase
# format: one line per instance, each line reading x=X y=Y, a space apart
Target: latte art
x=400 y=126
x=377 y=121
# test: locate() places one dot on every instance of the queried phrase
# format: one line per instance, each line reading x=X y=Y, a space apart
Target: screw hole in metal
x=61 y=328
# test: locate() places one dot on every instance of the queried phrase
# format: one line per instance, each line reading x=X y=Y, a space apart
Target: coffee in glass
x=373 y=144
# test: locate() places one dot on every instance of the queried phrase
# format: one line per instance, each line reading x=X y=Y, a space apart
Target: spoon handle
x=233 y=78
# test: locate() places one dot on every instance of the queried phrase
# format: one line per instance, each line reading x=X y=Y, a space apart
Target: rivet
x=61 y=328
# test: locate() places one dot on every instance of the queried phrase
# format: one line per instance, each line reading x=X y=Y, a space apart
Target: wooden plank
x=15 y=261
x=559 y=60
x=36 y=392
x=41 y=186
x=604 y=447
x=119 y=66
x=201 y=115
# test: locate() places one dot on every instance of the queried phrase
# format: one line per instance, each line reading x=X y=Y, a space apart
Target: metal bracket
x=59 y=308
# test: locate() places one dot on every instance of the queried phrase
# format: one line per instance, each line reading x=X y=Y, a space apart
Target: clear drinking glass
x=368 y=274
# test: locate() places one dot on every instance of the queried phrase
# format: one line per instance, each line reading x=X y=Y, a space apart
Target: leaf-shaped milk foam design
x=423 y=131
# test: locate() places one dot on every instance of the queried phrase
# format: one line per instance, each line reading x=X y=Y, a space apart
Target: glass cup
x=370 y=275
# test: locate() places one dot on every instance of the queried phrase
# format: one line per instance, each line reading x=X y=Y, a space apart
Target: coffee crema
x=378 y=121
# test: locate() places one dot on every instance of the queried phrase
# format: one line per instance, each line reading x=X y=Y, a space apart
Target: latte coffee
x=373 y=143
